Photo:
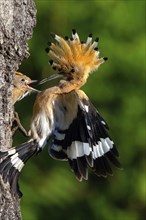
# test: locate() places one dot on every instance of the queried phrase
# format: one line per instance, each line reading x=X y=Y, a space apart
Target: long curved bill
x=54 y=76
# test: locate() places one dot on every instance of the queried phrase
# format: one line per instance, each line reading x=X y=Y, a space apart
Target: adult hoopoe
x=65 y=115
x=21 y=88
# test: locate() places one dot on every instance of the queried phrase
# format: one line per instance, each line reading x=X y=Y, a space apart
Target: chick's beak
x=31 y=88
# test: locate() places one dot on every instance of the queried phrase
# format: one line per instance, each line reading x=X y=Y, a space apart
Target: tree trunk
x=17 y=19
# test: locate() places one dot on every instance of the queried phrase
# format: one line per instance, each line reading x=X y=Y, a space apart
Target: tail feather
x=15 y=186
x=3 y=166
x=14 y=160
x=3 y=154
x=12 y=176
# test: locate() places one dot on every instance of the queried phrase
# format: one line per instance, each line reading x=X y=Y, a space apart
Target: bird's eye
x=22 y=80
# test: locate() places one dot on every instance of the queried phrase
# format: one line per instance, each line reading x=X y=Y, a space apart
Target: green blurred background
x=116 y=89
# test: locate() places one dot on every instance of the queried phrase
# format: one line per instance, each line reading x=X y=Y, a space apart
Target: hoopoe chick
x=21 y=88
x=65 y=115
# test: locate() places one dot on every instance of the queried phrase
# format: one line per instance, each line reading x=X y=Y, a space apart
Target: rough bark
x=17 y=19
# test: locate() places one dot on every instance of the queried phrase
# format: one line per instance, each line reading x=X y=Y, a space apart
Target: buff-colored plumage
x=73 y=59
x=21 y=86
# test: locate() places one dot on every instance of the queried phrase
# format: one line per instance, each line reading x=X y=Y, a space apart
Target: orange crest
x=73 y=58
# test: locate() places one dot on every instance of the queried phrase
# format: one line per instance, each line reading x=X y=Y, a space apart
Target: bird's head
x=23 y=82
x=73 y=59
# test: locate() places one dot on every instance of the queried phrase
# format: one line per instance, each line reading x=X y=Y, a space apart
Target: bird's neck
x=17 y=94
x=68 y=86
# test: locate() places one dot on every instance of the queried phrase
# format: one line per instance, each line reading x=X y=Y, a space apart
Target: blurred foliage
x=116 y=89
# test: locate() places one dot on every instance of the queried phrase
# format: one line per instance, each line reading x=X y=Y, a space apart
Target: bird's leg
x=17 y=125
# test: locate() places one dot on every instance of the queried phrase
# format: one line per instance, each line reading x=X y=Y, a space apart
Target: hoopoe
x=66 y=116
x=21 y=88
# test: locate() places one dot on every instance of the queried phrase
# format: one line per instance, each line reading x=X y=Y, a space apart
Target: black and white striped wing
x=103 y=149
x=85 y=143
